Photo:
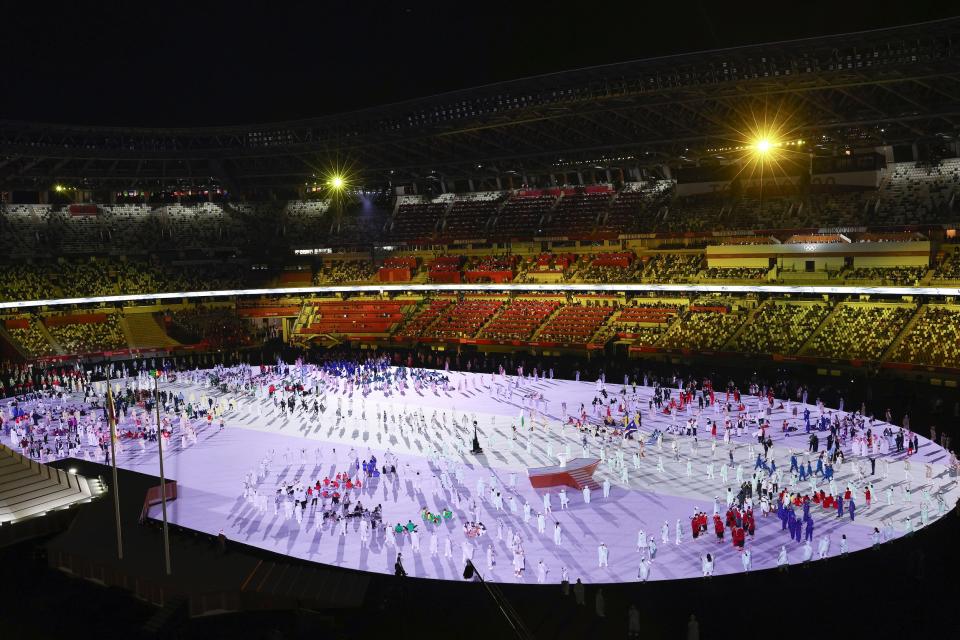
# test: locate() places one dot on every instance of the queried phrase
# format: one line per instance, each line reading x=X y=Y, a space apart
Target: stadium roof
x=887 y=86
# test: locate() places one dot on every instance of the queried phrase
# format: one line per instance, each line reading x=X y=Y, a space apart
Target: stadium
x=651 y=347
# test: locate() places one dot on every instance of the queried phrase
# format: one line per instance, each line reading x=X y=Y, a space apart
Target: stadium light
x=765 y=146
x=337 y=182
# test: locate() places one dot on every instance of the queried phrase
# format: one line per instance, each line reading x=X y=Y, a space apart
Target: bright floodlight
x=337 y=182
x=762 y=146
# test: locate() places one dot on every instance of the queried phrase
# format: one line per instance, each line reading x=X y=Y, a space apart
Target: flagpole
x=163 y=482
x=112 y=419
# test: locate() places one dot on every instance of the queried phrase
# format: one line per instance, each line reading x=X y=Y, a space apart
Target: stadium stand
x=933 y=339
x=702 y=328
x=859 y=330
x=780 y=327
x=87 y=333
x=519 y=319
x=464 y=318
x=948 y=267
x=523 y=216
x=471 y=215
x=575 y=324
x=417 y=221
x=578 y=212
x=357 y=316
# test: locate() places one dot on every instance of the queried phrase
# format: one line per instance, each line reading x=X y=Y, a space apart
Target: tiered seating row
x=574 y=324
x=354 y=317
x=464 y=318
x=416 y=325
x=519 y=320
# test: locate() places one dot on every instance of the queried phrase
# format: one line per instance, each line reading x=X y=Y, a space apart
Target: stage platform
x=210 y=476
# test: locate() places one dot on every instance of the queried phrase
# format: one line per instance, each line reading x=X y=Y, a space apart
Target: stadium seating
x=902 y=276
x=464 y=318
x=519 y=319
x=780 y=327
x=577 y=213
x=470 y=216
x=637 y=205
x=735 y=273
x=522 y=216
x=87 y=333
x=672 y=267
x=417 y=221
x=33 y=338
x=633 y=320
x=345 y=271
x=859 y=331
x=917 y=194
x=574 y=324
x=948 y=267
x=353 y=316
x=934 y=339
x=706 y=330
x=418 y=322
x=601 y=268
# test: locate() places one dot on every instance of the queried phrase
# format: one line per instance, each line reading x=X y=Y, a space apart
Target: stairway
x=584 y=478
x=829 y=318
x=144 y=332
x=16 y=346
x=546 y=321
x=30 y=489
x=907 y=328
x=495 y=315
x=42 y=328
x=165 y=621
x=751 y=316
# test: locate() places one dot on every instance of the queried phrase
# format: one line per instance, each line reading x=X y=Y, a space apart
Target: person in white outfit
x=782 y=561
x=557 y=534
x=706 y=565
x=643 y=573
x=603 y=555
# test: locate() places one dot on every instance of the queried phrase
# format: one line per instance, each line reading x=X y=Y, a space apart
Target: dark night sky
x=136 y=62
